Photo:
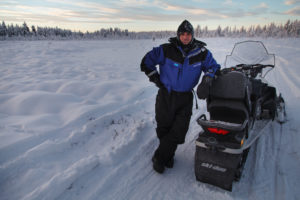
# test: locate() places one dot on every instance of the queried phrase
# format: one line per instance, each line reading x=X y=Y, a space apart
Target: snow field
x=77 y=122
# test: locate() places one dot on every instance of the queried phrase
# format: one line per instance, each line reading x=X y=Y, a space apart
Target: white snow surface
x=77 y=122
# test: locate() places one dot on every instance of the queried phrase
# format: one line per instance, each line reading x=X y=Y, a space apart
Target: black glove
x=203 y=88
x=156 y=80
x=218 y=72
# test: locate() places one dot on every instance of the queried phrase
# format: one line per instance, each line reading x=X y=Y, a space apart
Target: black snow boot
x=158 y=166
x=170 y=163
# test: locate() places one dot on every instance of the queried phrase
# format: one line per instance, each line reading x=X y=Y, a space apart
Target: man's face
x=185 y=38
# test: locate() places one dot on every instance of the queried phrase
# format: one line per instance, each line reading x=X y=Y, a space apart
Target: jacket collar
x=194 y=45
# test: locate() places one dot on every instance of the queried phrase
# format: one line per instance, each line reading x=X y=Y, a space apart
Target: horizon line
x=140 y=31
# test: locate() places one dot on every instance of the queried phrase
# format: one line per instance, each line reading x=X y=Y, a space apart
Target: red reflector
x=218 y=131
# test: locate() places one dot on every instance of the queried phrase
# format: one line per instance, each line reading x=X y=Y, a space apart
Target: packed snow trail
x=77 y=122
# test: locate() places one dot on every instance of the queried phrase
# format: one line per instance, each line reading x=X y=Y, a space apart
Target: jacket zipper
x=179 y=72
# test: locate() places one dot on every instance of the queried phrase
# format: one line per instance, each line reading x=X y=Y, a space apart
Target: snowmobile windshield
x=249 y=53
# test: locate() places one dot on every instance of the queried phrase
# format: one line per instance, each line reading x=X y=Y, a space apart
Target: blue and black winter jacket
x=179 y=71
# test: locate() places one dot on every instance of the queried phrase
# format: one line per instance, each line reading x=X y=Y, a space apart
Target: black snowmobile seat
x=229 y=86
x=228 y=111
x=228 y=96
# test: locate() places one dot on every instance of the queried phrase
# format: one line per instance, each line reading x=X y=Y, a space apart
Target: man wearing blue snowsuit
x=181 y=62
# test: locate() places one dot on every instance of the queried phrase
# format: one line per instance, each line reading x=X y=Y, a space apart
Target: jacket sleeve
x=210 y=65
x=151 y=59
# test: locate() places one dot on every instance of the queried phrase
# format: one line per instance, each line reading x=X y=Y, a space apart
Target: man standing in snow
x=181 y=62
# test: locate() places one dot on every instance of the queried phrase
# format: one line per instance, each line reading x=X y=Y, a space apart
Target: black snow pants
x=173 y=113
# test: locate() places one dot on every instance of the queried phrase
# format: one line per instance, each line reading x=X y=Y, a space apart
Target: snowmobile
x=240 y=104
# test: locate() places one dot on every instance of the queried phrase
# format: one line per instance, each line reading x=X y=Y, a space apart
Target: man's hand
x=156 y=80
x=203 y=88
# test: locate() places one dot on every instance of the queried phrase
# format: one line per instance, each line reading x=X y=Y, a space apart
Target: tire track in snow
x=136 y=164
x=280 y=183
x=253 y=180
x=115 y=159
x=103 y=182
x=111 y=181
x=287 y=173
x=153 y=186
x=265 y=172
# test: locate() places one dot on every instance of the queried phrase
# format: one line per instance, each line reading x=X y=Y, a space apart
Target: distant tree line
x=289 y=29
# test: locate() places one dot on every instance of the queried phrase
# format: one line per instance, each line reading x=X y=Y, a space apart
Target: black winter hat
x=185 y=26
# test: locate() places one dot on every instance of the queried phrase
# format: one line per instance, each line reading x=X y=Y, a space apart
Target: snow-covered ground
x=77 y=122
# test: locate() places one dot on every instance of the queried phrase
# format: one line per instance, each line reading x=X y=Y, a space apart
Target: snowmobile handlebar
x=249 y=69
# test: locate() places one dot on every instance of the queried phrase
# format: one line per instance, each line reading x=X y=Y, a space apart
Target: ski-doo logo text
x=214 y=167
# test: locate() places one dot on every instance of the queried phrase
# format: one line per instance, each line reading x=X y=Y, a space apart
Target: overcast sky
x=145 y=15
